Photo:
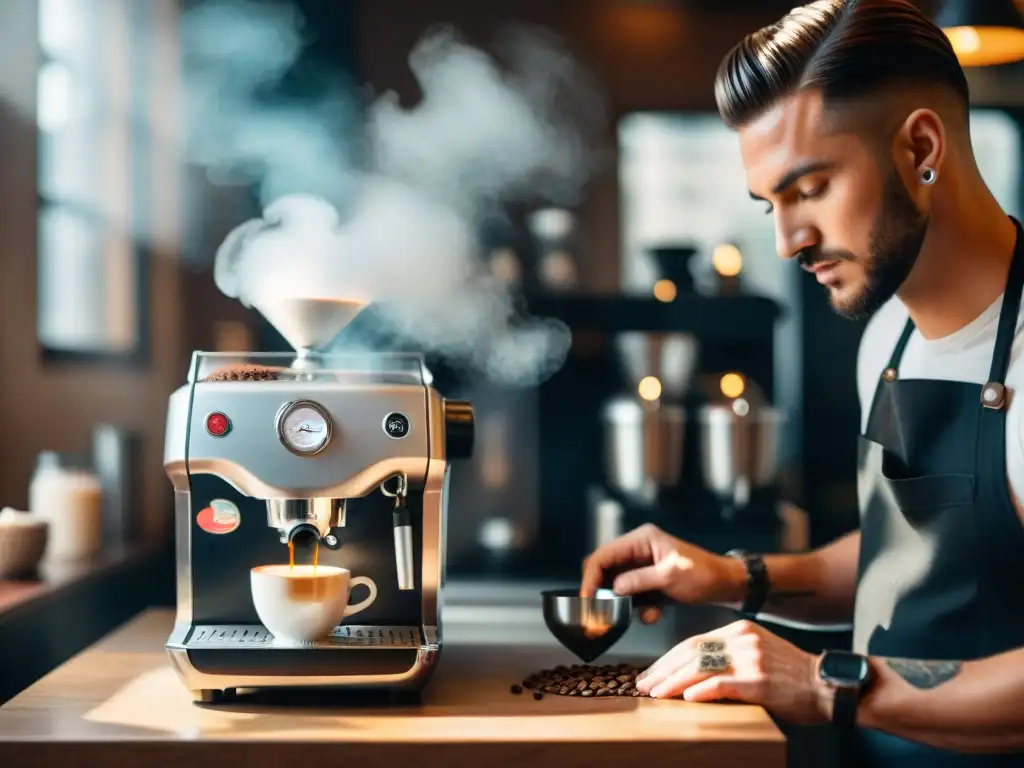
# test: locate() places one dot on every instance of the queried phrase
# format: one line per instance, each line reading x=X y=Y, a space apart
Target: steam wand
x=401 y=519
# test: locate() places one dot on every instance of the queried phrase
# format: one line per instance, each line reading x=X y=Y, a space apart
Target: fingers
x=628 y=548
x=671 y=680
x=651 y=578
x=722 y=687
x=663 y=667
x=678 y=668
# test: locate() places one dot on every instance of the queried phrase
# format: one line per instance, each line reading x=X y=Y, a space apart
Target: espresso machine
x=338 y=456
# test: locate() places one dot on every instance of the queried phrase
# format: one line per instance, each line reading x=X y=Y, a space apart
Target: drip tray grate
x=255 y=636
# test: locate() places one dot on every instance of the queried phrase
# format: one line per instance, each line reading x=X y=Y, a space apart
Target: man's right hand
x=649 y=560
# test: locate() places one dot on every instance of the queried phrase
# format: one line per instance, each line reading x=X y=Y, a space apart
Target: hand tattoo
x=925 y=674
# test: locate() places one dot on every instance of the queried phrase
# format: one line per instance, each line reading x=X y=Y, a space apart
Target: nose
x=793 y=238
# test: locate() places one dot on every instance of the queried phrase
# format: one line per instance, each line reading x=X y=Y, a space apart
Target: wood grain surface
x=120 y=704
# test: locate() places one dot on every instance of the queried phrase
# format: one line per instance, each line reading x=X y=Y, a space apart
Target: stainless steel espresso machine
x=341 y=456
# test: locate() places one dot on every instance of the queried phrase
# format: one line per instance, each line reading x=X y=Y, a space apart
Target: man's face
x=850 y=221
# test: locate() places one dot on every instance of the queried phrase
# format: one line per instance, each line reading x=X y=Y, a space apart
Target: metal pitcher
x=643 y=445
x=739 y=448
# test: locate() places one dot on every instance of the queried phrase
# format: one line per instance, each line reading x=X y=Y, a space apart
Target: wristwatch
x=758 y=583
x=848 y=675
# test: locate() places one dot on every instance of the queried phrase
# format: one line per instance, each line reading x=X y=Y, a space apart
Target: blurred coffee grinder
x=739 y=440
x=645 y=426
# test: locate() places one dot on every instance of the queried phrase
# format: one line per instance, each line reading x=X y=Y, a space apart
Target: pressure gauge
x=304 y=427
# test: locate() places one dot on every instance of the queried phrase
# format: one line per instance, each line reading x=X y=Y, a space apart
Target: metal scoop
x=587 y=626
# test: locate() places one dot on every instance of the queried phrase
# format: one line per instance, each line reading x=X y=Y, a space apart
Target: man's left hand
x=746 y=663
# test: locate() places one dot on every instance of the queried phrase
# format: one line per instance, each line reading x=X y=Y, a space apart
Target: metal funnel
x=587 y=626
x=308 y=324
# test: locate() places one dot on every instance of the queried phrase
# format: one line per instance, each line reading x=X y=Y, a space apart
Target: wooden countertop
x=119 y=704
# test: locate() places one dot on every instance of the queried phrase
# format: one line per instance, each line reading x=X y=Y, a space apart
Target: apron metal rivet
x=993 y=395
x=889 y=374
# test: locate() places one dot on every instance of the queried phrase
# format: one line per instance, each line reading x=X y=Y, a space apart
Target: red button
x=217 y=424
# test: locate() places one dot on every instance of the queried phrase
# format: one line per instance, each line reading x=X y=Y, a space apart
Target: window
x=89 y=268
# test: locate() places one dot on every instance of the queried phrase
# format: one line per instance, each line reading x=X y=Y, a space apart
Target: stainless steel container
x=643 y=446
x=669 y=357
x=739 y=448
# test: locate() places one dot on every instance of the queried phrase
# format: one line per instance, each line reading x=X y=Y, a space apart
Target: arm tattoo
x=925 y=674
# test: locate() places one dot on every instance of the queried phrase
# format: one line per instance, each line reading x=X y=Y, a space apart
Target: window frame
x=139 y=178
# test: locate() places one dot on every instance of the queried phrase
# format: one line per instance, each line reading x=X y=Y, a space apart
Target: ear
x=920 y=146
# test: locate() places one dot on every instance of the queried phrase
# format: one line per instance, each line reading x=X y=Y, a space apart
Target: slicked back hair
x=844 y=48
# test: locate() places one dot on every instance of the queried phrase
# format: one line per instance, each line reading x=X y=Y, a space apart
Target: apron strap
x=993 y=394
x=1009 y=313
x=901 y=345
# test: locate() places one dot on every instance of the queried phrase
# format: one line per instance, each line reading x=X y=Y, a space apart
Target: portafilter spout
x=301 y=520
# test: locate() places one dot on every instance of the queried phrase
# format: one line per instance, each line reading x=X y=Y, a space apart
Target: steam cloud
x=383 y=204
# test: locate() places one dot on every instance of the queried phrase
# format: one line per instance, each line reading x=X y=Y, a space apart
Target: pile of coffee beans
x=583 y=680
x=244 y=373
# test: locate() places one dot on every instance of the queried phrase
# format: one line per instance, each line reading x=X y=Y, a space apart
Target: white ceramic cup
x=302 y=604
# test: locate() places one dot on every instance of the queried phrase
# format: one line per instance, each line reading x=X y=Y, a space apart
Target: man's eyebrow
x=794 y=175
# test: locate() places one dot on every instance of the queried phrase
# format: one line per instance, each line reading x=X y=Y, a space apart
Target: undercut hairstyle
x=844 y=48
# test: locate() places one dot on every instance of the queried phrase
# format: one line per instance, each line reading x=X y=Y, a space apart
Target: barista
x=853 y=125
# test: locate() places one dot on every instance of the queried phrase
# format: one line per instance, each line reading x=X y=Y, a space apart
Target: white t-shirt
x=962 y=356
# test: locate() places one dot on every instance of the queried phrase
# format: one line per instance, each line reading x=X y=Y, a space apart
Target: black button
x=396 y=425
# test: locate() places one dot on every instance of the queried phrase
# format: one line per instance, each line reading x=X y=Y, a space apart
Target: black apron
x=941 y=572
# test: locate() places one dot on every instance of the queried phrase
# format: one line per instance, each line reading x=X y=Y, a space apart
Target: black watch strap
x=758 y=584
x=844 y=707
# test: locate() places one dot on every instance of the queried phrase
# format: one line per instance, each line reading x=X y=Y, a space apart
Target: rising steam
x=382 y=204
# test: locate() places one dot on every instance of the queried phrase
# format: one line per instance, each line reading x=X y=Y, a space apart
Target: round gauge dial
x=304 y=427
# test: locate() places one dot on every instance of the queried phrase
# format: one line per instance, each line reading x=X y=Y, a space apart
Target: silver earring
x=928 y=176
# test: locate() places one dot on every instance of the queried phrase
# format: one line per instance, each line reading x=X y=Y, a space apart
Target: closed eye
x=810 y=194
x=817 y=191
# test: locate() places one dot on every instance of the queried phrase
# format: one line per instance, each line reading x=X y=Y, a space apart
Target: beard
x=897 y=237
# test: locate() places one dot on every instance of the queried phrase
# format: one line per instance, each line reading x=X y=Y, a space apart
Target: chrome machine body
x=348 y=454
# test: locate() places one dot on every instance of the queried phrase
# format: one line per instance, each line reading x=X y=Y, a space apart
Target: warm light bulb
x=727 y=260
x=665 y=290
x=732 y=385
x=986 y=46
x=964 y=39
x=649 y=388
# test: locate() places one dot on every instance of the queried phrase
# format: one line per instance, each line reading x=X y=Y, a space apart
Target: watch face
x=844 y=668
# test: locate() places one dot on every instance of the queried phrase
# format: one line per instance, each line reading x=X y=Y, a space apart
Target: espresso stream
x=291 y=556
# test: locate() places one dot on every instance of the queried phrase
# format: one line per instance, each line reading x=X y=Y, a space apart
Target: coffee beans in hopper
x=244 y=373
x=584 y=680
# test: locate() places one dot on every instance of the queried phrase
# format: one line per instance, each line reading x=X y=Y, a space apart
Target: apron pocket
x=919 y=496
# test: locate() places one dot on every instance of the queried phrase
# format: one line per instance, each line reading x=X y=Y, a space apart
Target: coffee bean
x=537 y=695
x=517 y=689
x=584 y=680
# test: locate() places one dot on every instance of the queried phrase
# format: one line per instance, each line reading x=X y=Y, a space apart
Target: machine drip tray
x=255 y=636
